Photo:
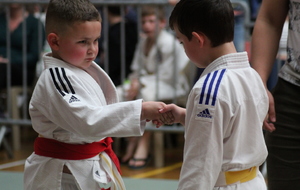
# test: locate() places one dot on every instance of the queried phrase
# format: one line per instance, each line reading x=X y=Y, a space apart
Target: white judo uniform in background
x=161 y=72
x=77 y=106
x=225 y=112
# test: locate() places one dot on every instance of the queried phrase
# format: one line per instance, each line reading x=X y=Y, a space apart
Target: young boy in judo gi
x=224 y=143
x=74 y=107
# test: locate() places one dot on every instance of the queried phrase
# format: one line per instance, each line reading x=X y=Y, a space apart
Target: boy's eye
x=83 y=42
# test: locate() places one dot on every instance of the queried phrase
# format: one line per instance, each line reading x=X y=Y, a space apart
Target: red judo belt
x=56 y=149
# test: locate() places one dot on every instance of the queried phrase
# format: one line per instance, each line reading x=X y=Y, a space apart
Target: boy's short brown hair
x=61 y=13
x=158 y=10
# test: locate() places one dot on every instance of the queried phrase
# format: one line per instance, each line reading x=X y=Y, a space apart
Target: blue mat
x=11 y=180
x=14 y=181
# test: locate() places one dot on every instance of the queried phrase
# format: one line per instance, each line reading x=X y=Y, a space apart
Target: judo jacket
x=77 y=106
x=161 y=72
x=223 y=126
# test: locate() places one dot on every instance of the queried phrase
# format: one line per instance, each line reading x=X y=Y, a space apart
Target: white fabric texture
x=161 y=71
x=223 y=132
x=76 y=106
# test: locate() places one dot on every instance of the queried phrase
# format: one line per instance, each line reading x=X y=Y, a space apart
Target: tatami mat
x=14 y=181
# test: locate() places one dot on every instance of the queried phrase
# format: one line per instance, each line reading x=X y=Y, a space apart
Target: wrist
x=143 y=110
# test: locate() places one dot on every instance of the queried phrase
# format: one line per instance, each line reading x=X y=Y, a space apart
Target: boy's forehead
x=150 y=16
x=83 y=28
x=85 y=23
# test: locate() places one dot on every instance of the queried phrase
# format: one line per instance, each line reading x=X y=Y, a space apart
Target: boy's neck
x=225 y=49
x=148 y=45
x=219 y=51
x=54 y=54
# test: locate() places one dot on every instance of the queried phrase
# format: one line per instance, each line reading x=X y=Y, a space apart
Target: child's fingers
x=165 y=109
x=157 y=123
x=162 y=118
x=167 y=118
x=170 y=116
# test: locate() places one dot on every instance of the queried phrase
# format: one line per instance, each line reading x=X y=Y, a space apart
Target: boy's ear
x=199 y=37
x=52 y=39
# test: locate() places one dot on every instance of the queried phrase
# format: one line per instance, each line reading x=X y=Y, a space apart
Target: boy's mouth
x=90 y=59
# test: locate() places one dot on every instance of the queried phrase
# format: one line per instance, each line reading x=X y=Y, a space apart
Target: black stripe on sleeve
x=55 y=83
x=61 y=82
x=67 y=80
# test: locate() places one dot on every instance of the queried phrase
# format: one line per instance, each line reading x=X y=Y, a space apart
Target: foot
x=131 y=144
x=125 y=159
x=138 y=163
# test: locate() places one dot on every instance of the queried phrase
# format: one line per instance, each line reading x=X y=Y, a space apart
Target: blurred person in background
x=114 y=44
x=17 y=18
x=282 y=124
x=158 y=60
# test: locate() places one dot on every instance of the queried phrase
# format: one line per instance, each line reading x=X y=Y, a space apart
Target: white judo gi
x=161 y=72
x=78 y=106
x=225 y=112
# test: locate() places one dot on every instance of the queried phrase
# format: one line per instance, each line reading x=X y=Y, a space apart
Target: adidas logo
x=73 y=99
x=205 y=113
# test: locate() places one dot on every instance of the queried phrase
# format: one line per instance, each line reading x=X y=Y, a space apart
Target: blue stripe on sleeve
x=217 y=87
x=203 y=89
x=210 y=87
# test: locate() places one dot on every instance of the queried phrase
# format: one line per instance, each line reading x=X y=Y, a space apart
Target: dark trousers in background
x=283 y=162
x=16 y=76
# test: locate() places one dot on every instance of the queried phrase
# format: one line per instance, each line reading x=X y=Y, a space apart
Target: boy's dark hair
x=148 y=10
x=213 y=18
x=61 y=13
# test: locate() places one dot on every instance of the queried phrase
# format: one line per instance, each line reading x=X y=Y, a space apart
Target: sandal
x=123 y=162
x=134 y=167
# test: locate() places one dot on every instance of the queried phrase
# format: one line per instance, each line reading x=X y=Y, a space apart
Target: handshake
x=160 y=113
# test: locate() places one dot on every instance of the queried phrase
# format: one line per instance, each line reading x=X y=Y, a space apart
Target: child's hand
x=172 y=111
x=150 y=110
x=157 y=123
x=167 y=117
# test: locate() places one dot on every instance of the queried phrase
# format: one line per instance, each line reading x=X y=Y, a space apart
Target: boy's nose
x=93 y=48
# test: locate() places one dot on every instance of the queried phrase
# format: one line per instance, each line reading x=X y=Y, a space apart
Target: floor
x=166 y=177
x=149 y=178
